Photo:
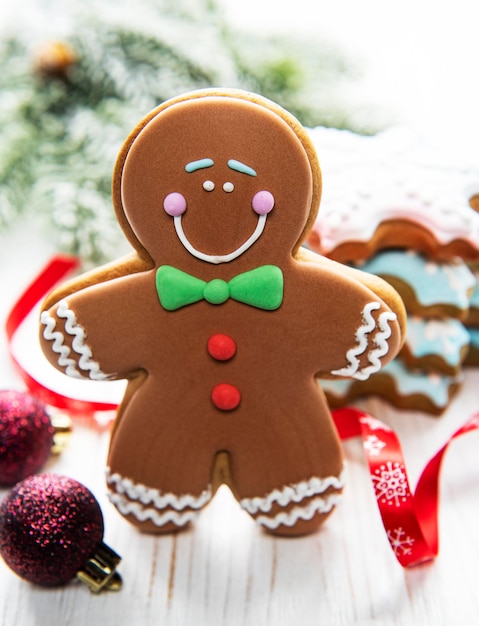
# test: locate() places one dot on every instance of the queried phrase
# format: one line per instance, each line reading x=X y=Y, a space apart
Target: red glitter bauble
x=26 y=436
x=50 y=526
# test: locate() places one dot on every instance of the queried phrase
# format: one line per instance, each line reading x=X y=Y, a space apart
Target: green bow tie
x=261 y=287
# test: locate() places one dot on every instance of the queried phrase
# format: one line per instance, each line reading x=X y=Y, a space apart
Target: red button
x=225 y=397
x=221 y=347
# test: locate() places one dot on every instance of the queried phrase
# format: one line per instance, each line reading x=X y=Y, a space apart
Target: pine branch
x=64 y=116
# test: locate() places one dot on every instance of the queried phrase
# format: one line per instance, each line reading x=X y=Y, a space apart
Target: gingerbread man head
x=224 y=177
x=221 y=322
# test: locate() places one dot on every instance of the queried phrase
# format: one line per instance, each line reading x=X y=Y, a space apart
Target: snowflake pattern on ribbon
x=390 y=484
x=373 y=445
x=401 y=543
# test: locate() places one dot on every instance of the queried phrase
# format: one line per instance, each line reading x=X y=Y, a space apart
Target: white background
x=418 y=58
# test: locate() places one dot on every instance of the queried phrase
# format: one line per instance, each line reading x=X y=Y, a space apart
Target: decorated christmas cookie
x=472 y=357
x=435 y=344
x=418 y=390
x=472 y=321
x=473 y=312
x=428 y=288
x=401 y=192
x=424 y=377
x=219 y=322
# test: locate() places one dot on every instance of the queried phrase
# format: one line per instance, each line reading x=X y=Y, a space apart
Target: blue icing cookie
x=474 y=301
x=433 y=283
x=444 y=338
x=472 y=358
x=473 y=337
x=433 y=388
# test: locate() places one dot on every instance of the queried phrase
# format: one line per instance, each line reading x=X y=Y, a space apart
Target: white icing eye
x=208 y=185
x=228 y=187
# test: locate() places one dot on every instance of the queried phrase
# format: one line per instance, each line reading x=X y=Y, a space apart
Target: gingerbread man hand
x=220 y=322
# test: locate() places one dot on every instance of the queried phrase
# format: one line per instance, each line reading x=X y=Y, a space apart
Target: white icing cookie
x=372 y=181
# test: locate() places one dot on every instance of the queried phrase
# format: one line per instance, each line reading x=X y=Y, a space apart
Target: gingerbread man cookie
x=220 y=322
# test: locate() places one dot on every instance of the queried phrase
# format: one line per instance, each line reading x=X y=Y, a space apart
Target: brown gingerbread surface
x=220 y=322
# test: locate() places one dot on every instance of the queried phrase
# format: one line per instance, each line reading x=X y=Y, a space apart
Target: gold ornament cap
x=99 y=572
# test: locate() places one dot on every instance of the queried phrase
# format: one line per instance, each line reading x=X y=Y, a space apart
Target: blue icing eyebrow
x=200 y=164
x=241 y=167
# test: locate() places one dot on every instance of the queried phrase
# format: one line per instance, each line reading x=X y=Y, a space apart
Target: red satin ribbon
x=410 y=519
x=56 y=269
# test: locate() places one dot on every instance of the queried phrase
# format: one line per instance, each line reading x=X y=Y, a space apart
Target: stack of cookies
x=396 y=208
x=472 y=321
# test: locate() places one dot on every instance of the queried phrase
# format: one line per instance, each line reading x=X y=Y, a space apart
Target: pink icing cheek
x=263 y=202
x=174 y=204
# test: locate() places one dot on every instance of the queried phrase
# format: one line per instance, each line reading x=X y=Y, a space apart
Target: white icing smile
x=220 y=258
x=262 y=203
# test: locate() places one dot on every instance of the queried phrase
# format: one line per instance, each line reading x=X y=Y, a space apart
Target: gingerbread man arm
x=369 y=318
x=89 y=333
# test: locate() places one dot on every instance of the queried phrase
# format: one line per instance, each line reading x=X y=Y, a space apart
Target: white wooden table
x=225 y=571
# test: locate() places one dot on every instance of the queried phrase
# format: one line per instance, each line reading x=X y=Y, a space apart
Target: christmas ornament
x=54 y=60
x=27 y=435
x=51 y=531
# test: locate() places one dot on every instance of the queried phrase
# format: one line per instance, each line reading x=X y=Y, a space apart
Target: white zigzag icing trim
x=368 y=325
x=291 y=493
x=321 y=504
x=85 y=363
x=149 y=495
x=380 y=339
x=126 y=507
x=374 y=356
x=58 y=346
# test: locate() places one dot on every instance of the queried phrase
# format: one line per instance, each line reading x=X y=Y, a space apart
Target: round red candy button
x=225 y=397
x=221 y=347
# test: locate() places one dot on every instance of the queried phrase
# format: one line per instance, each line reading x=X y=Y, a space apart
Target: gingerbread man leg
x=291 y=487
x=163 y=486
